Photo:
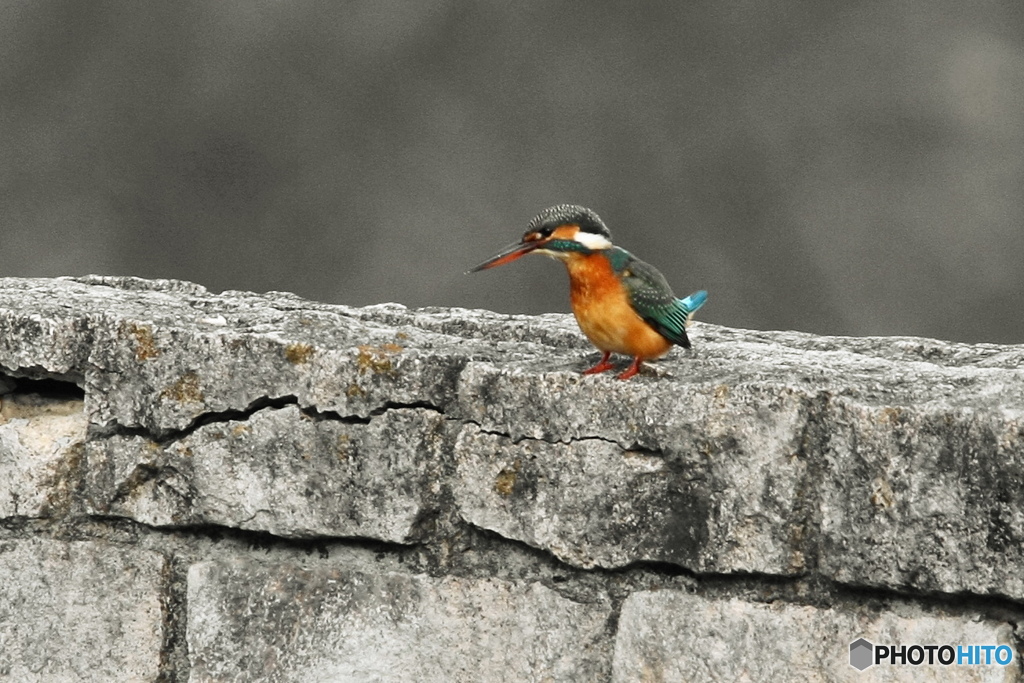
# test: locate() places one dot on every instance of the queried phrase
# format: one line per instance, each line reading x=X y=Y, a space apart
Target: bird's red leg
x=633 y=369
x=602 y=365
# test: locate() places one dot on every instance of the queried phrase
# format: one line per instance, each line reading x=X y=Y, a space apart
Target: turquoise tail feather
x=694 y=301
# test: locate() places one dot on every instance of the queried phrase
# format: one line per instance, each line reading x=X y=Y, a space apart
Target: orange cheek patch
x=565 y=232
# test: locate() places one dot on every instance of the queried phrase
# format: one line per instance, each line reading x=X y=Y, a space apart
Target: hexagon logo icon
x=861 y=654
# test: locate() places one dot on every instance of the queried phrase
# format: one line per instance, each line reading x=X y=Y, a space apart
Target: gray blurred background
x=836 y=167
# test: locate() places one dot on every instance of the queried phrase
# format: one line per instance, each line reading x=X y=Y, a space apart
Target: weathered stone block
x=929 y=497
x=282 y=622
x=724 y=492
x=279 y=471
x=162 y=375
x=675 y=636
x=40 y=440
x=80 y=611
x=161 y=354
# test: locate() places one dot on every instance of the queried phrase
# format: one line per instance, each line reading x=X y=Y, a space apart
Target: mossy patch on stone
x=298 y=353
x=186 y=390
x=377 y=359
x=145 y=344
x=505 y=482
x=345 y=447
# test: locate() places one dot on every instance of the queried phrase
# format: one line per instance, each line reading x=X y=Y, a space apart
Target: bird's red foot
x=633 y=369
x=602 y=365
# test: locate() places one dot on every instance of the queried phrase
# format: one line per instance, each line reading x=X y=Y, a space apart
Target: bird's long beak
x=508 y=255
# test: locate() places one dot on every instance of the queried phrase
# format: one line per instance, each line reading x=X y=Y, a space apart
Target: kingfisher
x=621 y=304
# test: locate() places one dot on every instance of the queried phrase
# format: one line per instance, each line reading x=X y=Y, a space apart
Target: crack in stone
x=632 y=448
x=531 y=550
x=258 y=539
x=995 y=606
x=398 y=405
x=169 y=437
x=788 y=588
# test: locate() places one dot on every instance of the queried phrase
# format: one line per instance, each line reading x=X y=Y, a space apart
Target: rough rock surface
x=37 y=436
x=674 y=636
x=461 y=457
x=928 y=496
x=592 y=502
x=80 y=611
x=280 y=471
x=253 y=622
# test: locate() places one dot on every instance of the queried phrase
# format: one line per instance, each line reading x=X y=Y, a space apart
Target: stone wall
x=256 y=487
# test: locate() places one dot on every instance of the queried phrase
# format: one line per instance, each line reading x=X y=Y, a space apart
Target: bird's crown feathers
x=552 y=217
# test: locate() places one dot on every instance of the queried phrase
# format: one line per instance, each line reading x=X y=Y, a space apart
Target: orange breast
x=602 y=309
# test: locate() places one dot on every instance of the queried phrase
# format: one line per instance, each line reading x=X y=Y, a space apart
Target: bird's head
x=559 y=232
